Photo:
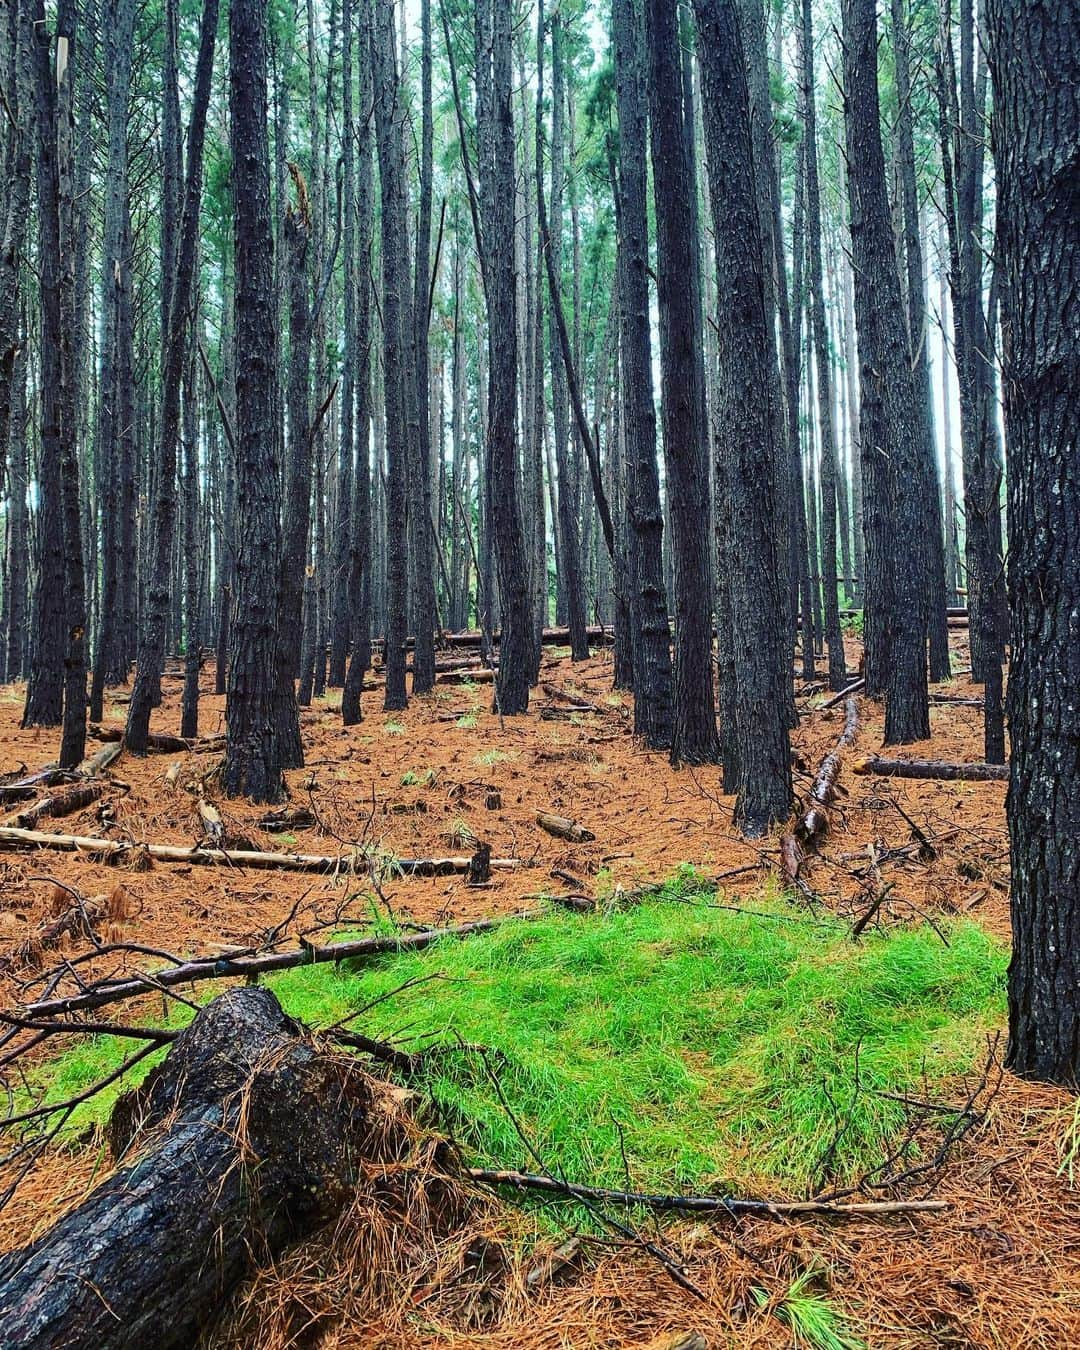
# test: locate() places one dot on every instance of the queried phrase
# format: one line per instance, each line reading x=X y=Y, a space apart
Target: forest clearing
x=539 y=667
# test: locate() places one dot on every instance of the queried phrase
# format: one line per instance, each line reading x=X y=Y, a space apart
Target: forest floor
x=1000 y=1266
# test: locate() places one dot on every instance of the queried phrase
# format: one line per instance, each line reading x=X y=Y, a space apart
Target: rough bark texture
x=245 y=1138
x=253 y=754
x=895 y=522
x=694 y=739
x=653 y=692
x=1035 y=60
x=747 y=426
x=155 y=619
x=495 y=128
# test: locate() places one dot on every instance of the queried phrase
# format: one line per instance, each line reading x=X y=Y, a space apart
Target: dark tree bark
x=895 y=532
x=694 y=738
x=495 y=134
x=115 y=364
x=259 y=726
x=294 y=546
x=918 y=336
x=746 y=442
x=389 y=114
x=362 y=551
x=45 y=690
x=833 y=635
x=962 y=131
x=246 y=1138
x=17 y=147
x=15 y=636
x=421 y=542
x=342 y=536
x=155 y=620
x=192 y=551
x=1034 y=53
x=653 y=692
x=569 y=530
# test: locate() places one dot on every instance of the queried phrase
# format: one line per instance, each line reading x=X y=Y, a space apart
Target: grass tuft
x=671 y=1045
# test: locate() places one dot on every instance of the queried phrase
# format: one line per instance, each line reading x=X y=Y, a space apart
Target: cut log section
x=563 y=828
x=213 y=826
x=245 y=1138
x=111 y=850
x=63 y=802
x=932 y=768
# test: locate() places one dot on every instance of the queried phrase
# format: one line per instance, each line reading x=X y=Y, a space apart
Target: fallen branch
x=813 y=825
x=216 y=968
x=701 y=1204
x=931 y=768
x=355 y=861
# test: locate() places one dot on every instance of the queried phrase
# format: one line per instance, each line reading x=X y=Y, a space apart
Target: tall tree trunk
x=888 y=415
x=258 y=727
x=1034 y=53
x=653 y=690
x=833 y=635
x=748 y=427
x=389 y=114
x=342 y=537
x=421 y=542
x=918 y=334
x=45 y=690
x=155 y=621
x=694 y=738
x=495 y=134
x=361 y=551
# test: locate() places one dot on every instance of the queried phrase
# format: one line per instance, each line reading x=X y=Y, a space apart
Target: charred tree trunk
x=653 y=692
x=155 y=621
x=918 y=336
x=388 y=118
x=748 y=425
x=259 y=727
x=495 y=133
x=888 y=415
x=1035 y=60
x=244 y=1139
x=694 y=739
x=833 y=635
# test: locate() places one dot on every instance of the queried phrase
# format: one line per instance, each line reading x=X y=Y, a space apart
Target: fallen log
x=246 y=1137
x=62 y=803
x=166 y=745
x=813 y=824
x=100 y=760
x=931 y=768
x=563 y=828
x=112 y=850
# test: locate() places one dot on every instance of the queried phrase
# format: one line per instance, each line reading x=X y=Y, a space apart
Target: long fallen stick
x=12 y=837
x=814 y=823
x=931 y=768
x=701 y=1204
x=214 y=968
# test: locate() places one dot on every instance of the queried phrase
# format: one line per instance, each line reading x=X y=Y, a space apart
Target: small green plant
x=283 y=838
x=393 y=728
x=493 y=757
x=466 y=721
x=814 y=1321
x=409 y=779
x=853 y=623
x=1070 y=1149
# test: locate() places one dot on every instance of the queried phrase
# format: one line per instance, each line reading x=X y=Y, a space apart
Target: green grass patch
x=675 y=1043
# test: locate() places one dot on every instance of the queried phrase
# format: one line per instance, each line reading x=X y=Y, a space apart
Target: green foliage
x=853 y=623
x=673 y=1044
x=814 y=1321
